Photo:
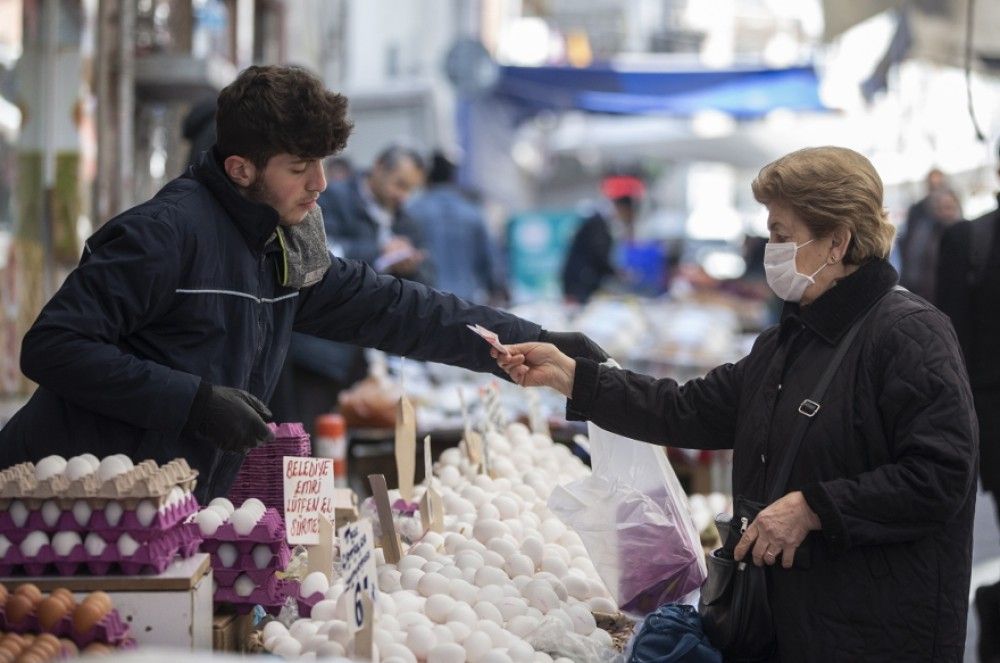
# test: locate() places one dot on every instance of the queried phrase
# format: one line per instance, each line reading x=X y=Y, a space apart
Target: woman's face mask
x=781 y=272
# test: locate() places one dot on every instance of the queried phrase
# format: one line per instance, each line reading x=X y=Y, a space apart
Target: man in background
x=589 y=263
x=457 y=240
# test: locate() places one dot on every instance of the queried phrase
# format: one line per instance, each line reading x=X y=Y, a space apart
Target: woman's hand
x=778 y=530
x=538 y=365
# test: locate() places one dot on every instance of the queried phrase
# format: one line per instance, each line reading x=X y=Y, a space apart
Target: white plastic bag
x=633 y=518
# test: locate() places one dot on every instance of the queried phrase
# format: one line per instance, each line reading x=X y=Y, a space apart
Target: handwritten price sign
x=357 y=560
x=308 y=493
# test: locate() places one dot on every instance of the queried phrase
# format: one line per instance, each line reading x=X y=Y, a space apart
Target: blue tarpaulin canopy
x=743 y=93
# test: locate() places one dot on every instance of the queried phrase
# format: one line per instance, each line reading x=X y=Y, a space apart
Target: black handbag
x=734 y=608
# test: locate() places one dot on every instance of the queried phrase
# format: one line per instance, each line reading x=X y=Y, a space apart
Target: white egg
x=208 y=522
x=254 y=505
x=534 y=548
x=493 y=558
x=519 y=650
x=127 y=545
x=583 y=620
x=49 y=467
x=489 y=612
x=33 y=543
x=81 y=512
x=522 y=625
x=576 y=587
x=77 y=467
x=111 y=467
x=224 y=503
x=339 y=632
x=451 y=572
x=540 y=595
x=442 y=634
x=542 y=657
x=409 y=578
x=421 y=640
x=244 y=586
x=460 y=590
x=490 y=594
x=125 y=460
x=425 y=550
x=286 y=646
x=330 y=650
x=227 y=554
x=220 y=510
x=504 y=547
x=145 y=511
x=495 y=656
x=50 y=513
x=488 y=512
x=602 y=637
x=519 y=565
x=438 y=607
x=262 y=555
x=176 y=495
x=431 y=567
x=94 y=545
x=64 y=542
x=302 y=629
x=602 y=604
x=18 y=512
x=469 y=559
x=388 y=580
x=433 y=583
x=448 y=652
x=243 y=521
x=554 y=565
x=476 y=645
x=274 y=628
x=94 y=461
x=314 y=583
x=411 y=562
x=459 y=630
x=113 y=513
x=489 y=528
x=5 y=545
x=463 y=612
x=398 y=651
x=512 y=606
x=490 y=575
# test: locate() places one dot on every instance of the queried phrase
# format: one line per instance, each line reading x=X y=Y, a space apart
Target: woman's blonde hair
x=831 y=188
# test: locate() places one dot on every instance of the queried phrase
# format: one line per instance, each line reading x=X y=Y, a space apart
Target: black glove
x=229 y=418
x=574 y=344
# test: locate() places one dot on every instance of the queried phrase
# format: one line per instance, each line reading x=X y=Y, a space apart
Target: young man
x=170 y=333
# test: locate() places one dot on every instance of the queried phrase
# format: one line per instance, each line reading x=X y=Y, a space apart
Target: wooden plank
x=183 y=574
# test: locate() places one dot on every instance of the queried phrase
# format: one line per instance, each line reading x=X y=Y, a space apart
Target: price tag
x=357 y=560
x=309 y=492
x=391 y=546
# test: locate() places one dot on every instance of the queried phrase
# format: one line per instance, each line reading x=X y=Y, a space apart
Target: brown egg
x=97 y=648
x=50 y=611
x=69 y=648
x=86 y=615
x=65 y=596
x=3 y=595
x=100 y=598
x=30 y=657
x=47 y=645
x=6 y=656
x=18 y=608
x=29 y=590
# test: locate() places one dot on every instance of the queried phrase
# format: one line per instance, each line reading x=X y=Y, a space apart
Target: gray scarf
x=305 y=257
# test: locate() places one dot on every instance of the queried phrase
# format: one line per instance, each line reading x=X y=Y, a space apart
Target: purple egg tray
x=153 y=556
x=226 y=576
x=261 y=473
x=270 y=595
x=306 y=603
x=269 y=528
x=129 y=522
x=109 y=630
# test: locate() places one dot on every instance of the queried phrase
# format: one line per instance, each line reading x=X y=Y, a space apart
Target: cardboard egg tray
x=226 y=576
x=147 y=480
x=153 y=555
x=166 y=517
x=260 y=475
x=270 y=595
x=109 y=630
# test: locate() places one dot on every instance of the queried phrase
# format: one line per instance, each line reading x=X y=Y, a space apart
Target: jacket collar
x=256 y=221
x=833 y=313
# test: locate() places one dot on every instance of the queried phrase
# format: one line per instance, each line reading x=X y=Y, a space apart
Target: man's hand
x=778 y=531
x=231 y=419
x=538 y=365
x=574 y=344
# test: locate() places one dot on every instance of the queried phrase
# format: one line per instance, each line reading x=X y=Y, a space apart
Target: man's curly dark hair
x=273 y=109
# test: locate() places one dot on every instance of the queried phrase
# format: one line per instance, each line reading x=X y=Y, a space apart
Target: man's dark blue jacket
x=185 y=288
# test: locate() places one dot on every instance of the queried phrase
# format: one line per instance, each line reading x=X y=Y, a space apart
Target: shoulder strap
x=811 y=406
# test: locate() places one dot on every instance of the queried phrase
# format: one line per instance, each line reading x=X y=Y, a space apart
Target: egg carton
x=109 y=629
x=147 y=480
x=271 y=595
x=166 y=517
x=245 y=564
x=307 y=603
x=153 y=555
x=270 y=528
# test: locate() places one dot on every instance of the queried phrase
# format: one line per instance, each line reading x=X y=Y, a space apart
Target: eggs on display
x=480 y=590
x=221 y=510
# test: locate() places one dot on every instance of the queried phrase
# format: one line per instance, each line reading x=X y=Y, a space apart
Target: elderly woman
x=883 y=488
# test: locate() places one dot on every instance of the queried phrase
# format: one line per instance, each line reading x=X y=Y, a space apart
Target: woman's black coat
x=888 y=465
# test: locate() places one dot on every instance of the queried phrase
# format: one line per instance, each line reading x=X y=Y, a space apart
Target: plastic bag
x=633 y=518
x=552 y=637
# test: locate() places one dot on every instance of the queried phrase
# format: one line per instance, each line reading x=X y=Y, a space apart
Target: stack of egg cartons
x=248 y=547
x=59 y=515
x=261 y=476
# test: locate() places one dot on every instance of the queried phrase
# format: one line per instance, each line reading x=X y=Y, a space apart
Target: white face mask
x=781 y=272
